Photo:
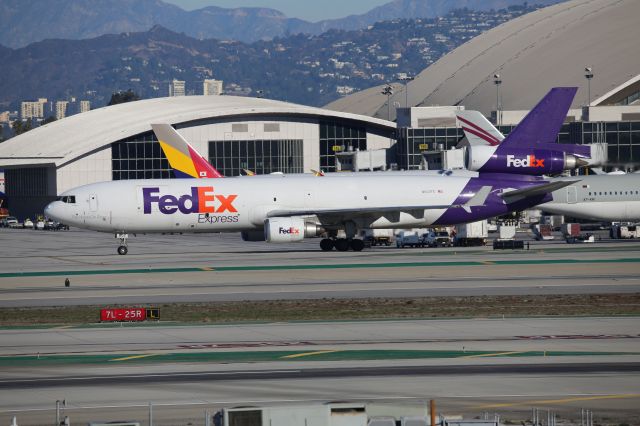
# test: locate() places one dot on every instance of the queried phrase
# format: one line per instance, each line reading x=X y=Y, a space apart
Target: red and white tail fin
x=185 y=161
x=477 y=129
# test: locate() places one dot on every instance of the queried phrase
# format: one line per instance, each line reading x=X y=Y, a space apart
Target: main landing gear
x=341 y=244
x=122 y=248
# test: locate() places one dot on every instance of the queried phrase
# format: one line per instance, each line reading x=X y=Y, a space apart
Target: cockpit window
x=69 y=199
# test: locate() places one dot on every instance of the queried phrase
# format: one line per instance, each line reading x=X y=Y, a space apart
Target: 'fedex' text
x=201 y=200
x=528 y=161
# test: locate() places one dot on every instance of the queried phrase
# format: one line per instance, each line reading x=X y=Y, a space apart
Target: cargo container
x=570 y=229
x=542 y=232
x=472 y=234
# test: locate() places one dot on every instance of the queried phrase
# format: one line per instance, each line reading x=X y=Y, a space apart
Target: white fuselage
x=598 y=197
x=239 y=204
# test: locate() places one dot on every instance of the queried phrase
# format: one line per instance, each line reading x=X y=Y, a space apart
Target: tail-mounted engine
x=521 y=161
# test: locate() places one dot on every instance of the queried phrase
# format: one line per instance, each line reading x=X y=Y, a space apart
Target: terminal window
x=259 y=156
x=139 y=157
x=337 y=137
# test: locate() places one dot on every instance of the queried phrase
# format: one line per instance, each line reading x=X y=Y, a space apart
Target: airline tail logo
x=528 y=161
x=201 y=200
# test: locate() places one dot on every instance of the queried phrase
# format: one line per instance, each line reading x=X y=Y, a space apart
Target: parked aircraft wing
x=532 y=191
x=417 y=210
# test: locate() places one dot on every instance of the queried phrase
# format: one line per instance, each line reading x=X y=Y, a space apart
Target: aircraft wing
x=532 y=191
x=415 y=210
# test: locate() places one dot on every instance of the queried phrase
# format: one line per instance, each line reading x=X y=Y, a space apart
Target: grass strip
x=342 y=309
x=523 y=262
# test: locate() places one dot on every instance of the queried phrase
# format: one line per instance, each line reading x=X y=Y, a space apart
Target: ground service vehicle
x=377 y=237
x=438 y=239
x=624 y=231
x=472 y=234
x=409 y=239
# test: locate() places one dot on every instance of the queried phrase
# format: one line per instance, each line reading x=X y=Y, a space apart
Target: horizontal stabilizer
x=532 y=191
x=478 y=199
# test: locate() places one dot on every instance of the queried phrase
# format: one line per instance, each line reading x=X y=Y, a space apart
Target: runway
x=469 y=365
x=511 y=365
x=203 y=268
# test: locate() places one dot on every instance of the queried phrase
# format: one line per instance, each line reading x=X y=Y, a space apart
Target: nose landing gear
x=122 y=249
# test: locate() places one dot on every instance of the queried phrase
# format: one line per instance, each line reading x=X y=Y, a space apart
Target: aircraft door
x=572 y=195
x=93 y=202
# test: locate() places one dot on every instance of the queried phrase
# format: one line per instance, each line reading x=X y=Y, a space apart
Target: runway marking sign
x=129 y=314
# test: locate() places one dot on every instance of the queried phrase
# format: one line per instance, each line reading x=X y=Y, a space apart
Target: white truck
x=377 y=237
x=438 y=239
x=410 y=238
x=472 y=234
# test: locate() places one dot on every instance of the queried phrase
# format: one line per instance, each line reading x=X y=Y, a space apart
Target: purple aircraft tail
x=543 y=122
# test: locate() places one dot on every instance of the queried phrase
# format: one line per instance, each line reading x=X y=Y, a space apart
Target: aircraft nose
x=53 y=211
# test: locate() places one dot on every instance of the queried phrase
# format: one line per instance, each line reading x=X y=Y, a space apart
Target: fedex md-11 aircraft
x=288 y=208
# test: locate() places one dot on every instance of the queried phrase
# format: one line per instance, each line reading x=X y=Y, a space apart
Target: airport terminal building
x=233 y=133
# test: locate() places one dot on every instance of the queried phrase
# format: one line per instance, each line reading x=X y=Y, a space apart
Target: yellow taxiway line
x=560 y=401
x=307 y=354
x=127 y=358
x=494 y=354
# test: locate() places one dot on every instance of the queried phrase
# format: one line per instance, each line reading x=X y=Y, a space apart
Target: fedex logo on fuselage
x=528 y=161
x=201 y=200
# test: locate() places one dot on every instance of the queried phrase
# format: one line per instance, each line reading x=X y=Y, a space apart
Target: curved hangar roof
x=65 y=140
x=542 y=49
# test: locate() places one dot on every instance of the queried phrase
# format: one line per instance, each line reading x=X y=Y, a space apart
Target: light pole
x=588 y=74
x=497 y=81
x=388 y=90
x=406 y=79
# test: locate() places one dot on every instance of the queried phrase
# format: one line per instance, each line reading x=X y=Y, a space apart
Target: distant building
x=176 y=88
x=32 y=109
x=61 y=109
x=212 y=87
x=4 y=117
x=84 y=106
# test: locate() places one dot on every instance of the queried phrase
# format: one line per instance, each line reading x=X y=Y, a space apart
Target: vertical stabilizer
x=185 y=161
x=477 y=129
x=544 y=121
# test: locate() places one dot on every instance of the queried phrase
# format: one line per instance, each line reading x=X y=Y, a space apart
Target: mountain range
x=306 y=69
x=22 y=23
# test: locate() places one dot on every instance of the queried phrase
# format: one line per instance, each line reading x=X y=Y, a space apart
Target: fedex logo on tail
x=528 y=161
x=201 y=200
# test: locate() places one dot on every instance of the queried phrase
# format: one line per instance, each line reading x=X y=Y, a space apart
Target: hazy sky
x=310 y=10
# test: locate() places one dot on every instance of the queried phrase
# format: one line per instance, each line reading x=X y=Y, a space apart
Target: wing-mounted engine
x=289 y=229
x=530 y=161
